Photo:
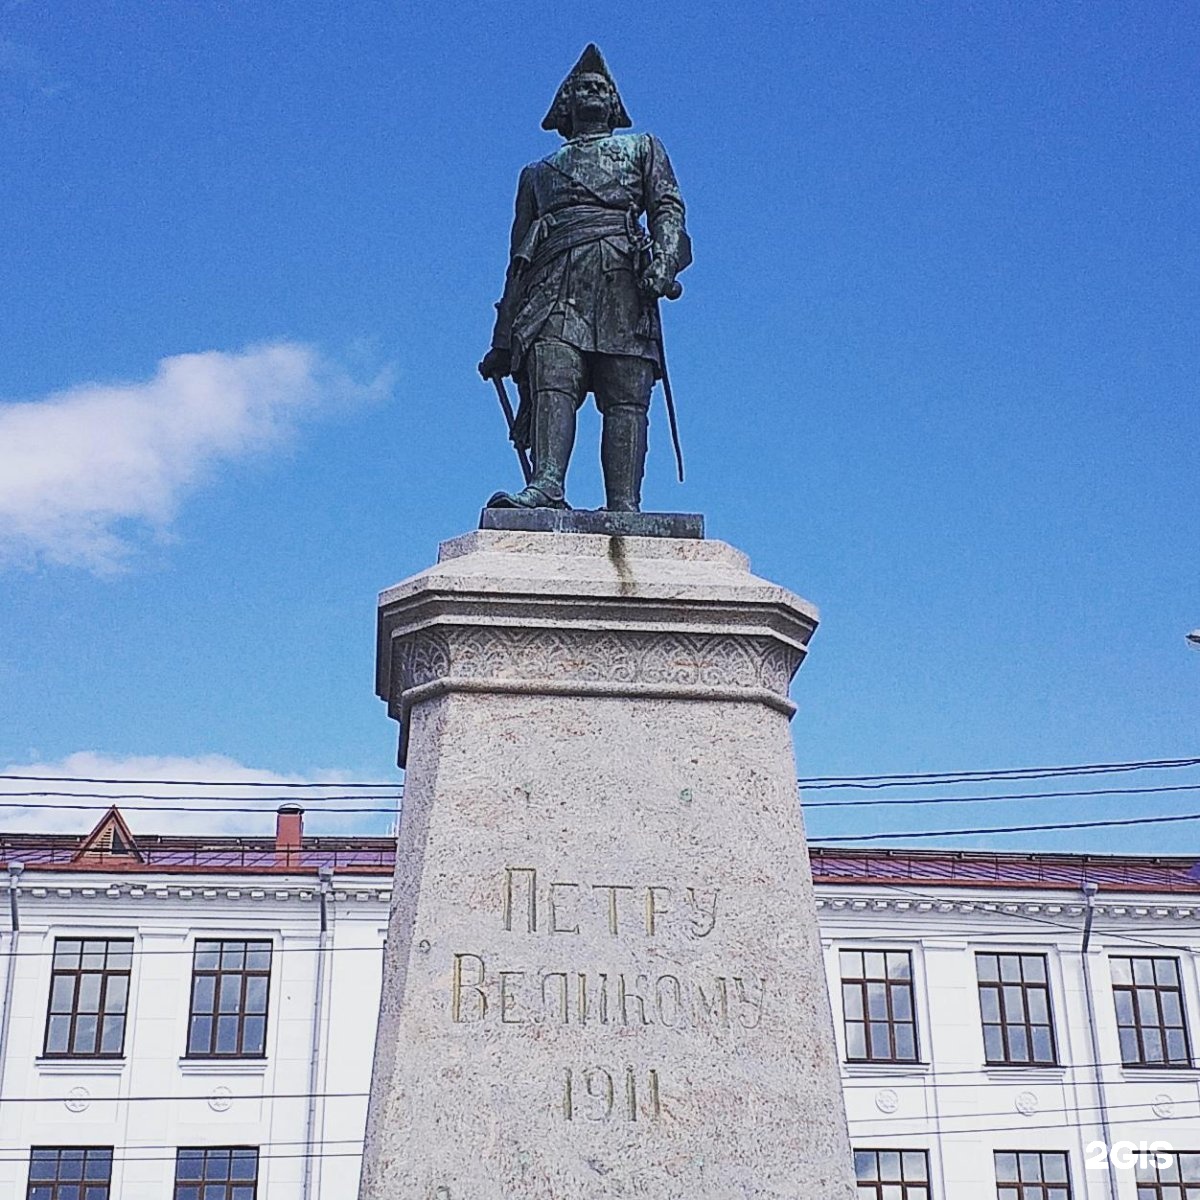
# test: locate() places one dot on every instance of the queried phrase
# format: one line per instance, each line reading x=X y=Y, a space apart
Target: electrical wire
x=816 y=781
x=916 y=779
x=1041 y=1112
x=189 y=951
x=1061 y=795
x=165 y=1099
x=229 y=783
x=20 y=1154
x=347 y=1141
x=355 y=810
x=176 y=808
x=395 y=793
x=126 y=1158
x=933 y=833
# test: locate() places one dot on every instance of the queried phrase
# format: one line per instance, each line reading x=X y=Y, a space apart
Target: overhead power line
x=20 y=1154
x=139 y=1158
x=189 y=951
x=823 y=840
x=228 y=783
x=1060 y=795
x=174 y=808
x=917 y=779
x=899 y=779
x=935 y=833
x=174 y=1099
x=132 y=1153
x=1002 y=1114
x=917 y=1129
x=398 y=791
x=394 y=794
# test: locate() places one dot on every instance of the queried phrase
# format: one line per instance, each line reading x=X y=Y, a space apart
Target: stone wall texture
x=603 y=976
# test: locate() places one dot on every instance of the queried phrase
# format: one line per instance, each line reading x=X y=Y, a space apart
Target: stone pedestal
x=603 y=976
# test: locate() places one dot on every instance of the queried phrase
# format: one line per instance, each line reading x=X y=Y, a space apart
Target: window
x=1014 y=998
x=89 y=994
x=230 y=981
x=69 y=1173
x=1178 y=1179
x=226 y=1173
x=877 y=1005
x=892 y=1174
x=1149 y=1000
x=1032 y=1175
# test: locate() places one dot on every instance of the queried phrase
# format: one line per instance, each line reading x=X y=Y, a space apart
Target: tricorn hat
x=591 y=62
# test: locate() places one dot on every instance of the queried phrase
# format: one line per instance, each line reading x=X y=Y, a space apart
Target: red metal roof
x=981 y=868
x=172 y=855
x=168 y=854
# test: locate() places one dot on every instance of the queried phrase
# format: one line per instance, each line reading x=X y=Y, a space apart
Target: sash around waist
x=558 y=232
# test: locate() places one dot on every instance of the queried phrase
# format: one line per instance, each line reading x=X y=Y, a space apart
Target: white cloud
x=84 y=471
x=171 y=803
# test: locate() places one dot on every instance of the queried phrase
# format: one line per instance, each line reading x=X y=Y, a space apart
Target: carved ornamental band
x=710 y=666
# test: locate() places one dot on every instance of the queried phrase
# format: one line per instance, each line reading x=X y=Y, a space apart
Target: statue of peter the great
x=580 y=307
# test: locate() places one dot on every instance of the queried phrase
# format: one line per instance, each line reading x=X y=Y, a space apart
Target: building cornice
x=835 y=899
x=252 y=890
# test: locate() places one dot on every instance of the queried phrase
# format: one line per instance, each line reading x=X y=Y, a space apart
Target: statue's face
x=591 y=99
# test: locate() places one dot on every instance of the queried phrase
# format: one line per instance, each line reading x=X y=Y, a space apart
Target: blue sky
x=936 y=363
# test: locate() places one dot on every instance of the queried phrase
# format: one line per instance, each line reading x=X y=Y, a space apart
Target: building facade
x=986 y=1052
x=194 y=1018
x=188 y=1017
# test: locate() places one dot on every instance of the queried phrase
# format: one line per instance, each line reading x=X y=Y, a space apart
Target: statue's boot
x=623 y=457
x=553 y=439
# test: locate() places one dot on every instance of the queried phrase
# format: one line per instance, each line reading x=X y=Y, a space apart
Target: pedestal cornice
x=589 y=615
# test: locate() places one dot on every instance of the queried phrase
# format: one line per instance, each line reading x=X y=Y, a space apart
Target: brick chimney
x=289 y=835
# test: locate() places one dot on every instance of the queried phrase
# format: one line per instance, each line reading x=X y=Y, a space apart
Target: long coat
x=578 y=247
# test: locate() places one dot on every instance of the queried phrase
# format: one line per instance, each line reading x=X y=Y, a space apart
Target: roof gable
x=111 y=838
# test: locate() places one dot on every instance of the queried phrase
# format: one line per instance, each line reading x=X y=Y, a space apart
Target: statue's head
x=588 y=94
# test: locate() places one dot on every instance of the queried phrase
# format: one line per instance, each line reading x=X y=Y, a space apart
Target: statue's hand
x=497 y=363
x=656 y=279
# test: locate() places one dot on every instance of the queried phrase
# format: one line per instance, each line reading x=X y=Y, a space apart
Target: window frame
x=217 y=973
x=909 y=1188
x=202 y=1183
x=1138 y=1027
x=77 y=973
x=1156 y=1188
x=1012 y=1189
x=862 y=982
x=81 y=1183
x=1004 y=1025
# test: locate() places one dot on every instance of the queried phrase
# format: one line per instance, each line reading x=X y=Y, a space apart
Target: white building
x=984 y=1053
x=129 y=951
x=178 y=1007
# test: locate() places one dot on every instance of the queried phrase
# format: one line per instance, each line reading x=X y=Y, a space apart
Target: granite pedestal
x=603 y=976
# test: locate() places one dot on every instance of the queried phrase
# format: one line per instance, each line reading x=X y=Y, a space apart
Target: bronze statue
x=580 y=307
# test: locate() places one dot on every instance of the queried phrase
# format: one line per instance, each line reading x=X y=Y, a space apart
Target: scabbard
x=668 y=395
x=511 y=419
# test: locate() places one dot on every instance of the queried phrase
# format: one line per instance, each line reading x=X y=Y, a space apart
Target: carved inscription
x=480 y=991
x=603 y=1093
x=533 y=905
x=489 y=989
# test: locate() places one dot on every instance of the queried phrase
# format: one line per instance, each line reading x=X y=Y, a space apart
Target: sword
x=676 y=290
x=643 y=242
x=510 y=418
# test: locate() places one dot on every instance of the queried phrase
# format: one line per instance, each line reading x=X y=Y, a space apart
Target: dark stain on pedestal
x=619 y=560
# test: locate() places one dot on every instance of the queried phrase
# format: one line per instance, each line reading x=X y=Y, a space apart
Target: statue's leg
x=622 y=386
x=558 y=381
